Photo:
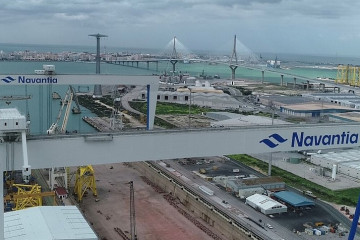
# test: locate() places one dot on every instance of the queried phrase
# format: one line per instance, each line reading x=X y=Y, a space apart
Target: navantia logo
x=8 y=79
x=301 y=139
x=31 y=80
x=273 y=141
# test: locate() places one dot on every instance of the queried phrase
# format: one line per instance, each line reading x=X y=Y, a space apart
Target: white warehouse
x=265 y=204
x=47 y=222
x=346 y=162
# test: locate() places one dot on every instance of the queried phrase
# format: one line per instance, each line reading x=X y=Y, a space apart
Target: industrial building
x=265 y=204
x=345 y=162
x=44 y=223
x=314 y=104
x=268 y=183
x=246 y=187
x=278 y=101
x=201 y=95
x=345 y=117
x=343 y=99
x=314 y=109
x=293 y=199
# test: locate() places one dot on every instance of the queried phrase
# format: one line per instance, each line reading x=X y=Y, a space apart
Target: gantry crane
x=348 y=74
x=85 y=180
x=69 y=97
x=116 y=115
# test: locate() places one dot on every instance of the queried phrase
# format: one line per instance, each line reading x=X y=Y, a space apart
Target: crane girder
x=78 y=150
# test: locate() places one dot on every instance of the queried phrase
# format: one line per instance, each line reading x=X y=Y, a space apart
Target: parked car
x=269 y=226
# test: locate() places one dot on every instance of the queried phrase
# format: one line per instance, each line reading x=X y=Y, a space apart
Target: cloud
x=65 y=16
x=200 y=23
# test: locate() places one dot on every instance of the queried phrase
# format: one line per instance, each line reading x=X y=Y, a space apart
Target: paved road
x=133 y=93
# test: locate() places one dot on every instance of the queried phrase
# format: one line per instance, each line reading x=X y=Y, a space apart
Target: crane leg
x=26 y=172
x=355 y=221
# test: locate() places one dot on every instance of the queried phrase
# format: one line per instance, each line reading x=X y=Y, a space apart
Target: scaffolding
x=348 y=74
x=85 y=180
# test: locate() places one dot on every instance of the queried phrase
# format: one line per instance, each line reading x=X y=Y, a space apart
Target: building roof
x=264 y=201
x=47 y=223
x=348 y=98
x=60 y=191
x=330 y=95
x=10 y=113
x=263 y=180
x=284 y=100
x=347 y=116
x=318 y=107
x=348 y=157
x=234 y=120
x=294 y=199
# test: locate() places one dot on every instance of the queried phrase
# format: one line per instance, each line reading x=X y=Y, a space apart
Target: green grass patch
x=345 y=197
x=89 y=103
x=169 y=108
x=162 y=123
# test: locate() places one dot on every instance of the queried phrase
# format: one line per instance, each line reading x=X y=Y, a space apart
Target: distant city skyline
x=323 y=27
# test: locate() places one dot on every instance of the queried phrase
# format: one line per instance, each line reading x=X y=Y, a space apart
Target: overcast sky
x=325 y=27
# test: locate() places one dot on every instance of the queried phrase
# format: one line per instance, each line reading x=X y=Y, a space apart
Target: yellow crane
x=85 y=180
x=348 y=74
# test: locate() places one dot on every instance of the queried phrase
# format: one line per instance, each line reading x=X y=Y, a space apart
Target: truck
x=309 y=194
x=206 y=190
x=202 y=170
x=318 y=224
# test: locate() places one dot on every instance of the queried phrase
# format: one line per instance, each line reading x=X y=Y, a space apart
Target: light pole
x=189 y=107
x=272 y=123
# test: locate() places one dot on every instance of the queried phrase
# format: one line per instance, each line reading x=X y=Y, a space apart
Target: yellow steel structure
x=85 y=180
x=27 y=196
x=22 y=189
x=349 y=75
x=15 y=197
x=342 y=74
x=12 y=197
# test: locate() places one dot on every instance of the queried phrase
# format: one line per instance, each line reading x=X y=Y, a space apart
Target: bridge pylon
x=174 y=57
x=233 y=59
x=97 y=88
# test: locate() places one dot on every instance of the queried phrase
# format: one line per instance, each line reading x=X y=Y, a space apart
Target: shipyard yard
x=179 y=120
x=156 y=218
